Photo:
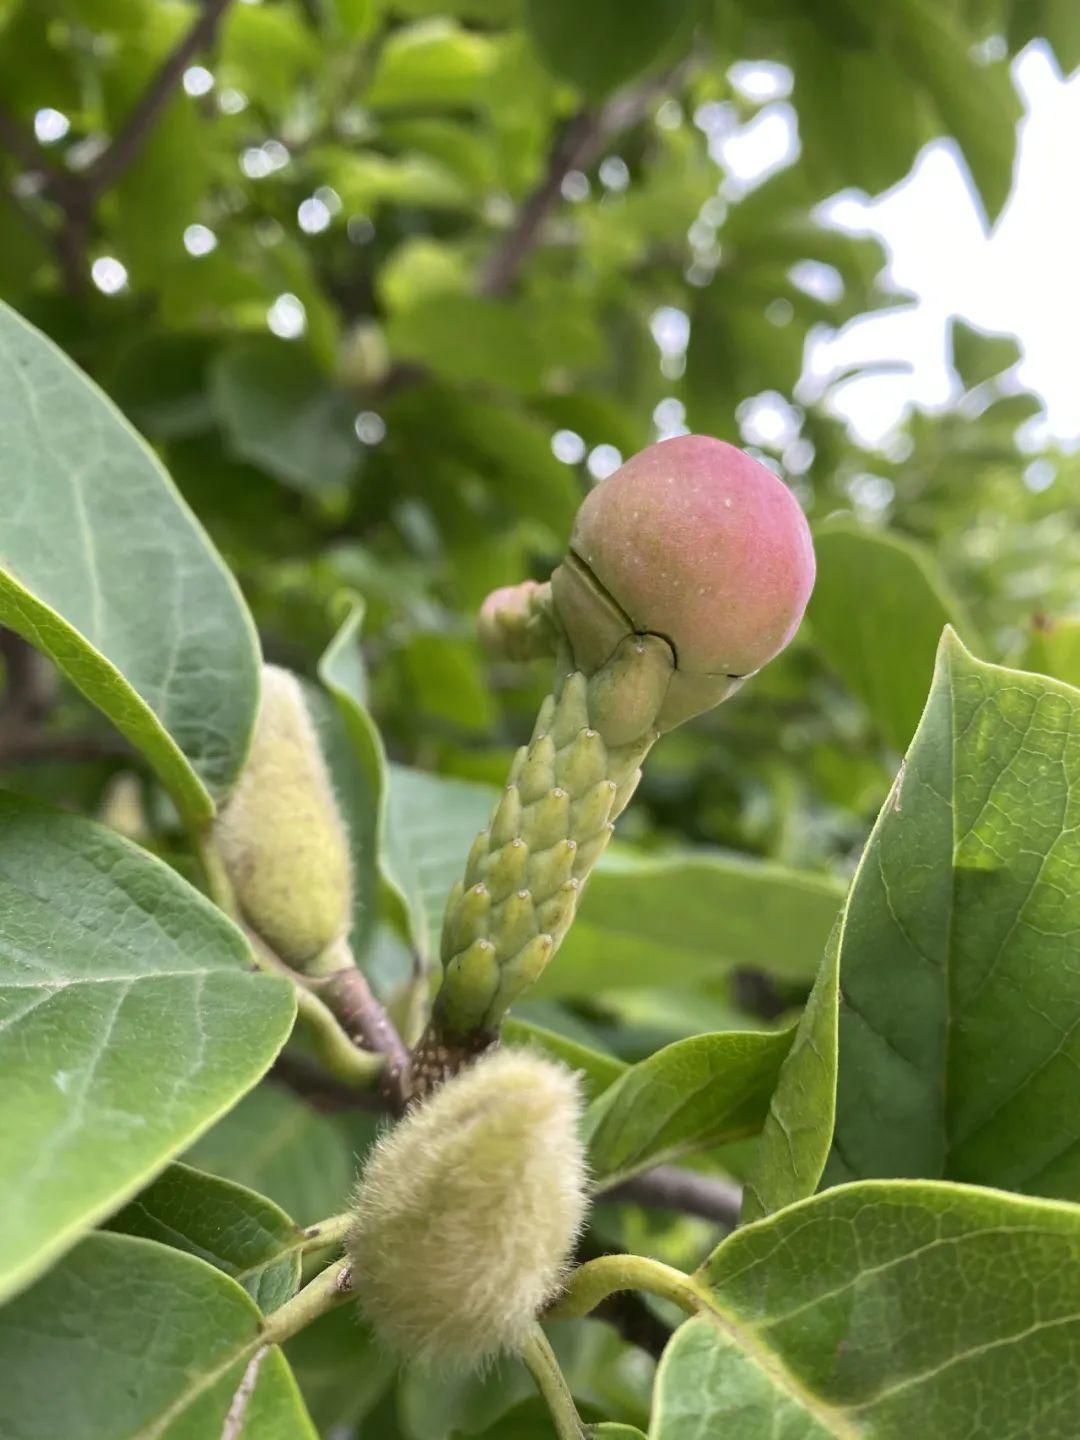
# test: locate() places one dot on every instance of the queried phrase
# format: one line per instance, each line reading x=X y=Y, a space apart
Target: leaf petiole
x=593 y=1282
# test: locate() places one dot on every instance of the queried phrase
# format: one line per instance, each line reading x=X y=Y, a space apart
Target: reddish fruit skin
x=701 y=544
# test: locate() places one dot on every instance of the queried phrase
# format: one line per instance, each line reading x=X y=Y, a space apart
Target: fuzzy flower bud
x=281 y=836
x=692 y=540
x=467 y=1212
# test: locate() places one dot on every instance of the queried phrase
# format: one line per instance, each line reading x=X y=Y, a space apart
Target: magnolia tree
x=905 y=1256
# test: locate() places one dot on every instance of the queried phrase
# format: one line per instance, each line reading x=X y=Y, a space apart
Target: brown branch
x=576 y=147
x=349 y=997
x=75 y=194
x=668 y=1188
x=132 y=135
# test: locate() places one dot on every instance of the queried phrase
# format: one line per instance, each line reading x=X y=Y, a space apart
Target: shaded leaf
x=959 y=959
x=275 y=1143
x=878 y=609
x=131 y=1021
x=690 y=1096
x=675 y=920
x=129 y=1338
x=609 y=42
x=797 y=1133
x=280 y=412
x=90 y=519
x=226 y=1225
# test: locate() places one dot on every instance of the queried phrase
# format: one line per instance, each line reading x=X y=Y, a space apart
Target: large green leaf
x=690 y=1096
x=884 y=1310
x=277 y=1144
x=798 y=1129
x=674 y=920
x=960 y=953
x=878 y=609
x=242 y=1233
x=103 y=568
x=131 y=1020
x=130 y=1340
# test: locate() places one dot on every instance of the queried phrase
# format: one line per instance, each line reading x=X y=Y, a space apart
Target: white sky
x=1024 y=278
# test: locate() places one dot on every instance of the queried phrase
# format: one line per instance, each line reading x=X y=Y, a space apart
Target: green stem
x=218 y=885
x=594 y=1281
x=550 y=1381
x=328 y=1290
x=326 y=1233
x=342 y=1058
x=337 y=1052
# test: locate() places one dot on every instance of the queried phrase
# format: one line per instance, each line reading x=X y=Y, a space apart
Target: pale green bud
x=467 y=1213
x=280 y=833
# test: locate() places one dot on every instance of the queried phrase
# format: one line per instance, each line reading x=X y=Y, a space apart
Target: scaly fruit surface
x=525 y=873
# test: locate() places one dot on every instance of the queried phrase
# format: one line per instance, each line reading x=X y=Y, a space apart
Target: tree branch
x=576 y=147
x=132 y=135
x=75 y=194
x=669 y=1188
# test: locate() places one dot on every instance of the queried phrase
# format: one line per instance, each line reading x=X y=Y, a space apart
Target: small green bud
x=280 y=833
x=467 y=1212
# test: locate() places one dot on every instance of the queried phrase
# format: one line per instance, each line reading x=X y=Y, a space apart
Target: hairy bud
x=694 y=541
x=467 y=1212
x=280 y=834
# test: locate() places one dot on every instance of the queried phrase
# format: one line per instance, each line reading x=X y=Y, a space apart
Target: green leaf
x=1053 y=649
x=690 y=1096
x=267 y=51
x=1057 y=20
x=133 y=1339
x=280 y=412
x=959 y=974
x=677 y=919
x=435 y=62
x=610 y=41
x=798 y=1129
x=520 y=346
x=977 y=355
x=883 y=1311
x=977 y=103
x=431 y=824
x=341 y=1369
x=613 y=1431
x=597 y=1070
x=131 y=1021
x=276 y=1144
x=226 y=1225
x=103 y=568
x=878 y=609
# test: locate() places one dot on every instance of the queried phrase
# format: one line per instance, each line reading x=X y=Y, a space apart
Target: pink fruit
x=692 y=540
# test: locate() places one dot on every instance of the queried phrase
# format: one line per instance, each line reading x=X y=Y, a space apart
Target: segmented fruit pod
x=688 y=569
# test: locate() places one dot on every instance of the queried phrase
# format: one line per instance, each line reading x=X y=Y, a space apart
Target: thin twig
x=132 y=135
x=576 y=148
x=669 y=1188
